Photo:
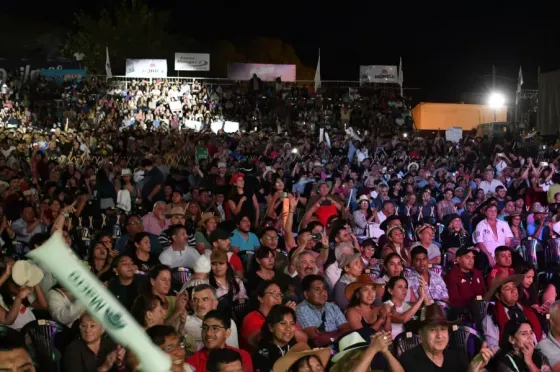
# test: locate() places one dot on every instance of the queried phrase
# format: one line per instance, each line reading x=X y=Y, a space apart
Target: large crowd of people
x=324 y=234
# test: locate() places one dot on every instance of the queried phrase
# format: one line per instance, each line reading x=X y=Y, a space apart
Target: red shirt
x=499 y=272
x=235 y=261
x=251 y=324
x=463 y=290
x=324 y=212
x=199 y=359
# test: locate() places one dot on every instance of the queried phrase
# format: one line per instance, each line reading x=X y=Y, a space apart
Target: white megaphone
x=61 y=261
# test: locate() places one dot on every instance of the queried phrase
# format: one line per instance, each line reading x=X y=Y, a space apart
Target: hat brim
x=416 y=325
x=341 y=354
x=283 y=364
x=497 y=283
x=352 y=287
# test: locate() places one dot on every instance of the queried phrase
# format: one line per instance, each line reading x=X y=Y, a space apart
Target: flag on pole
x=318 y=73
x=401 y=76
x=519 y=80
x=108 y=70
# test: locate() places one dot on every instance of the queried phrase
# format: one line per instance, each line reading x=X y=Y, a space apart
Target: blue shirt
x=532 y=228
x=308 y=316
x=237 y=240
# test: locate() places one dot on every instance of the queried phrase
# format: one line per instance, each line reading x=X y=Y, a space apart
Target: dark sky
x=448 y=48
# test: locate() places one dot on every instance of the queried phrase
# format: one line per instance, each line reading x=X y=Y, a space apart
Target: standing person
x=152 y=188
x=242 y=203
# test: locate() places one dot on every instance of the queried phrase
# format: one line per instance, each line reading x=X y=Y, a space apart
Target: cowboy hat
x=299 y=351
x=176 y=211
x=449 y=218
x=25 y=273
x=126 y=172
x=206 y=217
x=362 y=199
x=432 y=315
x=498 y=282
x=350 y=342
x=423 y=227
x=393 y=217
x=360 y=282
x=393 y=228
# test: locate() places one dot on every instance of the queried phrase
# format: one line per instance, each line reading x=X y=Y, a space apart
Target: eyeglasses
x=213 y=328
x=171 y=348
x=275 y=294
x=271 y=237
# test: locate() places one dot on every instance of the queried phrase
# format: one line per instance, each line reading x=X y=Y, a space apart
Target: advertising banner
x=146 y=68
x=192 y=62
x=379 y=74
x=266 y=72
x=62 y=75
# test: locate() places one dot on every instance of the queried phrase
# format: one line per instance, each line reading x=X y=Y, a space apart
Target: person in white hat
x=363 y=215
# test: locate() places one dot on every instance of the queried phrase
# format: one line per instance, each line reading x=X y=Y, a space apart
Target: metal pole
x=493 y=77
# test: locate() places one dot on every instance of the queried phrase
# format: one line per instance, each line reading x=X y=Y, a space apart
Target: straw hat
x=363 y=198
x=176 y=211
x=24 y=273
x=299 y=351
x=349 y=343
x=206 y=217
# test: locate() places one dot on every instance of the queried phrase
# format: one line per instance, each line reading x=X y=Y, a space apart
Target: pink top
x=152 y=224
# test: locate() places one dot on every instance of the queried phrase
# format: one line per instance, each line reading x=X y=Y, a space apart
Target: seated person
x=432 y=354
x=203 y=301
x=436 y=288
x=320 y=320
x=503 y=258
x=464 y=282
x=91 y=352
x=352 y=267
x=504 y=291
x=215 y=331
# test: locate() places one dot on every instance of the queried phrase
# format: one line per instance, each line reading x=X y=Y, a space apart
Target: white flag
x=401 y=75
x=519 y=80
x=108 y=71
x=318 y=73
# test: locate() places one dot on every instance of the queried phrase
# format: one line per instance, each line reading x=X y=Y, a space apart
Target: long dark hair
x=136 y=239
x=153 y=274
x=390 y=285
x=230 y=279
x=275 y=316
x=533 y=296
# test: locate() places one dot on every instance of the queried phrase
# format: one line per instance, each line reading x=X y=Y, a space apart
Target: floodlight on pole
x=496 y=100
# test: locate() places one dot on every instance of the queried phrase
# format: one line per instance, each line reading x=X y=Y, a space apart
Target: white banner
x=454 y=134
x=192 y=62
x=146 y=68
x=379 y=74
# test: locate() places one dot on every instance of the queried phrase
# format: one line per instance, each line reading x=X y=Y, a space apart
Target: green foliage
x=133 y=30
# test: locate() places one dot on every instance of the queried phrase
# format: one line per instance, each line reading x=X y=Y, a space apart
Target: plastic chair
x=179 y=276
x=240 y=310
x=47 y=340
x=10 y=333
x=247 y=260
x=404 y=342
x=477 y=311
x=465 y=340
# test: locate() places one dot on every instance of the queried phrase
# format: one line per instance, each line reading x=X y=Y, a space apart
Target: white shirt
x=332 y=274
x=193 y=326
x=484 y=234
x=62 y=309
x=490 y=186
x=185 y=258
x=398 y=328
x=22 y=318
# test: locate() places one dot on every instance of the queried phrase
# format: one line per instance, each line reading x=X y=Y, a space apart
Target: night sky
x=448 y=48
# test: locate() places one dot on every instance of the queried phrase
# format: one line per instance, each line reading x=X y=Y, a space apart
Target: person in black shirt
x=93 y=351
x=432 y=354
x=139 y=251
x=126 y=285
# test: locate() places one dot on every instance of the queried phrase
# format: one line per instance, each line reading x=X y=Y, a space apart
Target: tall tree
x=131 y=30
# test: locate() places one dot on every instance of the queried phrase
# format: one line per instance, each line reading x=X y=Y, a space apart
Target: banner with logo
x=266 y=72
x=192 y=62
x=379 y=74
x=146 y=68
x=62 y=75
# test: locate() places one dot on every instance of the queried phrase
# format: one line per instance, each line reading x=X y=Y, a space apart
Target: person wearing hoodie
x=464 y=282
